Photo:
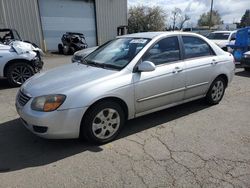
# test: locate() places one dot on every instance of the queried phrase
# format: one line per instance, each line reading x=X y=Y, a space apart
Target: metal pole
x=211 y=11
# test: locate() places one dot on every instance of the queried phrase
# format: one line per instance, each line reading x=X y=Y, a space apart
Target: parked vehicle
x=81 y=54
x=245 y=61
x=8 y=35
x=125 y=78
x=72 y=42
x=242 y=44
x=19 y=61
x=223 y=38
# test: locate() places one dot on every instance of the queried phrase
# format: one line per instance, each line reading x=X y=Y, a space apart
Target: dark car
x=245 y=61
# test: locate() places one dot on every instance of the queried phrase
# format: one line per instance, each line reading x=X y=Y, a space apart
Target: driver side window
x=164 y=51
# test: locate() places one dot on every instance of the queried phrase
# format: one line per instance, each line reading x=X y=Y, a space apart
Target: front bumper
x=59 y=124
x=37 y=63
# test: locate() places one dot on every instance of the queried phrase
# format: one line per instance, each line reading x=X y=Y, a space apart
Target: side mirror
x=146 y=66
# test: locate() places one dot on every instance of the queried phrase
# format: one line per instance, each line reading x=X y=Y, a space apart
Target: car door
x=164 y=85
x=200 y=62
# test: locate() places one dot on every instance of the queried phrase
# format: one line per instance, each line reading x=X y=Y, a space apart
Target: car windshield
x=218 y=36
x=117 y=53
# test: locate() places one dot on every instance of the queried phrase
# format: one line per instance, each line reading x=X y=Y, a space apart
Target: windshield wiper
x=101 y=65
x=110 y=66
x=94 y=64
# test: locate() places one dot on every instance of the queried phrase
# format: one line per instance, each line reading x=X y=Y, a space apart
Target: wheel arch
x=224 y=76
x=118 y=100
x=11 y=62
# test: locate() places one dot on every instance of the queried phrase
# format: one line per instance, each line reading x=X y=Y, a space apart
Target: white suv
x=223 y=38
x=19 y=61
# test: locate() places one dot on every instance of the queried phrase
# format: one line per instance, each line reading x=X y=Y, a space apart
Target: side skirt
x=168 y=106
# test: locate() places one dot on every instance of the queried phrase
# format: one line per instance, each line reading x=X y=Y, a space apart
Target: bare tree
x=184 y=18
x=179 y=18
x=176 y=13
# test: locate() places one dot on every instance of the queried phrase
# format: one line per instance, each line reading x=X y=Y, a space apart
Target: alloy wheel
x=106 y=123
x=217 y=90
x=20 y=74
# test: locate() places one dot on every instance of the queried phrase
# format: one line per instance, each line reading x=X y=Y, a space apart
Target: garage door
x=60 y=16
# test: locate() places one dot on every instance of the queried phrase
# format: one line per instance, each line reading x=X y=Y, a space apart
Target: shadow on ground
x=4 y=84
x=21 y=149
x=243 y=74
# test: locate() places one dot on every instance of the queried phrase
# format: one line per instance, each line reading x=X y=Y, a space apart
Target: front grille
x=40 y=129
x=22 y=98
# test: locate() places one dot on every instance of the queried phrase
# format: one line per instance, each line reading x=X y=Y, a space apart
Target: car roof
x=152 y=35
x=223 y=32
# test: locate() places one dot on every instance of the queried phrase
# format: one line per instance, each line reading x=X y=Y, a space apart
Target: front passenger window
x=164 y=51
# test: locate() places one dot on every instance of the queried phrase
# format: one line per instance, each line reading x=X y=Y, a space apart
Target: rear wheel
x=60 y=48
x=18 y=73
x=103 y=122
x=216 y=91
x=66 y=50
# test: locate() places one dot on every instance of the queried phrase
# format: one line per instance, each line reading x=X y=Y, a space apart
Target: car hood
x=4 y=47
x=220 y=43
x=247 y=53
x=85 y=51
x=63 y=79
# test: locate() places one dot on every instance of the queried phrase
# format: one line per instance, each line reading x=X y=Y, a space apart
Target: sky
x=230 y=10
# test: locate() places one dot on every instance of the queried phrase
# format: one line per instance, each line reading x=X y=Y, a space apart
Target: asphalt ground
x=191 y=145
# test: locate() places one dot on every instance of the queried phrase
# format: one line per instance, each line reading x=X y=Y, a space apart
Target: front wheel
x=216 y=91
x=18 y=73
x=103 y=122
x=247 y=68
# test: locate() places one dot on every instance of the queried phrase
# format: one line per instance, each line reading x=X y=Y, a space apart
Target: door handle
x=214 y=62
x=177 y=70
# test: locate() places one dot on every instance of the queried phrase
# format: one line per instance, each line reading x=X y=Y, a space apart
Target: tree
x=143 y=19
x=184 y=18
x=175 y=15
x=245 y=20
x=204 y=19
x=178 y=18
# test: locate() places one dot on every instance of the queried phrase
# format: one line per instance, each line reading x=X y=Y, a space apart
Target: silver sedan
x=127 y=77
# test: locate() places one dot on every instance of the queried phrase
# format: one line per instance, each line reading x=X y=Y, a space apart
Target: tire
x=109 y=118
x=18 y=73
x=247 y=68
x=66 y=50
x=71 y=51
x=60 y=48
x=216 y=91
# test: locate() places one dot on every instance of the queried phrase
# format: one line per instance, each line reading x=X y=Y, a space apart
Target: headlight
x=77 y=58
x=47 y=103
x=246 y=56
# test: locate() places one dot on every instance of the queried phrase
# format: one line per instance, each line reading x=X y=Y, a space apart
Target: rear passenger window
x=164 y=51
x=195 y=47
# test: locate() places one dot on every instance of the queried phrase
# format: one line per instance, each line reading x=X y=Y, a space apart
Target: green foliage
x=143 y=19
x=245 y=20
x=204 y=19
